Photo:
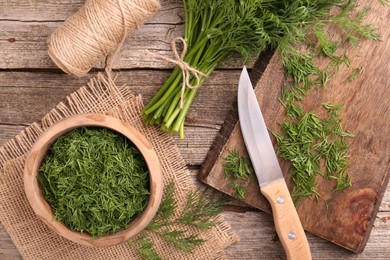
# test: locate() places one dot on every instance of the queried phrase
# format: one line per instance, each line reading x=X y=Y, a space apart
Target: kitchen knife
x=268 y=172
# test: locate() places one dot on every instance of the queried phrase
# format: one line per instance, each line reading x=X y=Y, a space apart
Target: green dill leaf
x=237 y=168
x=200 y=210
x=144 y=245
x=355 y=74
x=239 y=189
x=199 y=213
x=333 y=107
x=180 y=239
x=166 y=211
x=385 y=2
x=169 y=204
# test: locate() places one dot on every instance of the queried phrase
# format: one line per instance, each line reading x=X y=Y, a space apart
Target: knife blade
x=269 y=173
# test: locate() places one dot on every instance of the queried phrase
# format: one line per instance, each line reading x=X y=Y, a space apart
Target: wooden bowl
x=43 y=210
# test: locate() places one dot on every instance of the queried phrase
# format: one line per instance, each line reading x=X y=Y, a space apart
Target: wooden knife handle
x=287 y=222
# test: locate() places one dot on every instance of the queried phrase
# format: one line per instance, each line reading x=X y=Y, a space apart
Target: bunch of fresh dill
x=172 y=226
x=95 y=180
x=216 y=29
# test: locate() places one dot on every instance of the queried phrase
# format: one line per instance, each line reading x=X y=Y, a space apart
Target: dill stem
x=160 y=109
x=163 y=93
x=173 y=105
x=172 y=117
x=182 y=114
x=190 y=94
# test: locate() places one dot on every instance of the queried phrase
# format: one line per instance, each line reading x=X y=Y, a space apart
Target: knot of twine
x=186 y=69
x=97 y=30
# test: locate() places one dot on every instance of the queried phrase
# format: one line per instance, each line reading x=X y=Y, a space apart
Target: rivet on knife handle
x=287 y=222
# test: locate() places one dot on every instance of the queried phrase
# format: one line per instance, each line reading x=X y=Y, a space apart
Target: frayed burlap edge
x=35 y=241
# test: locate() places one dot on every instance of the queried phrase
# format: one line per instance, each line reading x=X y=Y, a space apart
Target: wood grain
x=51 y=10
x=40 y=91
x=26 y=27
x=351 y=212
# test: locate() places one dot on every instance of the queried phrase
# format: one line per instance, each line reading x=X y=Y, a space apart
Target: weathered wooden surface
x=350 y=214
x=30 y=85
x=26 y=26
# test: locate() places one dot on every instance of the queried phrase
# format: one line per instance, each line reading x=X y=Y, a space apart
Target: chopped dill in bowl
x=95 y=180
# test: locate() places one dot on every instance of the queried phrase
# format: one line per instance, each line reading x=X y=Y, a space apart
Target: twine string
x=96 y=31
x=112 y=56
x=186 y=69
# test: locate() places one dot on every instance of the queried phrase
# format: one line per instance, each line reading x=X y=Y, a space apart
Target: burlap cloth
x=32 y=237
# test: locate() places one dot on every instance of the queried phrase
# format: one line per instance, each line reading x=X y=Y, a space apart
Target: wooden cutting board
x=350 y=213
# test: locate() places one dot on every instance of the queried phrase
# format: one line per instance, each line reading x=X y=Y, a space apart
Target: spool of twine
x=96 y=31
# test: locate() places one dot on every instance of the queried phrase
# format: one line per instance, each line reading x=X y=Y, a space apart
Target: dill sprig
x=172 y=226
x=199 y=211
x=95 y=180
x=239 y=170
x=355 y=74
x=144 y=245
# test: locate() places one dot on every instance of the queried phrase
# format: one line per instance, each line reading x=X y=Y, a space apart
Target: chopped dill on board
x=318 y=146
x=95 y=180
x=315 y=146
x=240 y=190
x=355 y=74
x=239 y=170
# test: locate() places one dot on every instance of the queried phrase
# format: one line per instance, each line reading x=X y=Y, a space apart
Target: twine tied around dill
x=186 y=69
x=95 y=32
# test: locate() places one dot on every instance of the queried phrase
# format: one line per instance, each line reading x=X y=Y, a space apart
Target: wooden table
x=30 y=85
